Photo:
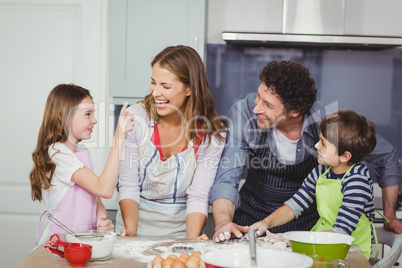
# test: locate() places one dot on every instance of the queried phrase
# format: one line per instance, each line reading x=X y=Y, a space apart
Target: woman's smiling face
x=168 y=91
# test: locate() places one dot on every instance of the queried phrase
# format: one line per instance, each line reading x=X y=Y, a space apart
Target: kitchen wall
x=368 y=82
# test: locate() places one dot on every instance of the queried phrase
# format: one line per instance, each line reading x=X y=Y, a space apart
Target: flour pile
x=144 y=250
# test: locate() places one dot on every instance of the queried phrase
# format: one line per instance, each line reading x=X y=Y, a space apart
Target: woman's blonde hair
x=60 y=106
x=199 y=113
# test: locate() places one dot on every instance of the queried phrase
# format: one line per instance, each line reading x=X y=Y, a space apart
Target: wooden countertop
x=40 y=257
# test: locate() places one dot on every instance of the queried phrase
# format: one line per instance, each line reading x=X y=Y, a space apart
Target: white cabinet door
x=139 y=30
x=43 y=43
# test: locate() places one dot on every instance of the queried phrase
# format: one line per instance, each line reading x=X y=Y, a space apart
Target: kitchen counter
x=40 y=257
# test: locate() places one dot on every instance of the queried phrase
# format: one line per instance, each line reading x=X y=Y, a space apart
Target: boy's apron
x=329 y=199
x=163 y=186
x=77 y=209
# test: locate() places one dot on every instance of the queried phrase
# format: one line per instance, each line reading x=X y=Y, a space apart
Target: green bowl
x=320 y=243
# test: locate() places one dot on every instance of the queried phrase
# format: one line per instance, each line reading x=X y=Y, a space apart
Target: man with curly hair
x=271 y=141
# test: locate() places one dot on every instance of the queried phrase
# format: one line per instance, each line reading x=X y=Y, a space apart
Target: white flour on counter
x=143 y=250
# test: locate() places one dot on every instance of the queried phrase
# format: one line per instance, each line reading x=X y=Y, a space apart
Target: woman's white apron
x=163 y=186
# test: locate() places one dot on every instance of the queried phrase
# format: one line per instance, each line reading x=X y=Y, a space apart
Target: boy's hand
x=260 y=228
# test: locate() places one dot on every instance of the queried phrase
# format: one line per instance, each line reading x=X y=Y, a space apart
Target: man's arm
x=389 y=201
x=386 y=168
x=233 y=159
x=224 y=195
x=223 y=211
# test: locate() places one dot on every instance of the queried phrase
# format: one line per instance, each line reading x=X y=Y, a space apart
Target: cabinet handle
x=196 y=43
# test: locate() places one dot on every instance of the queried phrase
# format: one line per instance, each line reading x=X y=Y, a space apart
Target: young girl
x=62 y=177
x=340 y=184
x=172 y=157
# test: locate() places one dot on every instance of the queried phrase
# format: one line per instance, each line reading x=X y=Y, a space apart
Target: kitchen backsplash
x=368 y=82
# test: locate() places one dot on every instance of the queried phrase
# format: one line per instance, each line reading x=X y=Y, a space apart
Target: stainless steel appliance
x=331 y=24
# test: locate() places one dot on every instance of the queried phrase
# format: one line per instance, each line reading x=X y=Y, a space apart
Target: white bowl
x=319 y=237
x=102 y=247
x=265 y=258
x=321 y=243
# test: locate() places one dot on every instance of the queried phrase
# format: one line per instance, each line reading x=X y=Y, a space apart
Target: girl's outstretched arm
x=104 y=185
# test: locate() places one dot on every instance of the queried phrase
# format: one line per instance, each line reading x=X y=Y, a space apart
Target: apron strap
x=377 y=248
x=375 y=233
x=39 y=230
x=347 y=172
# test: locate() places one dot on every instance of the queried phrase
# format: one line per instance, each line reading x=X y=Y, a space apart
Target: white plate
x=265 y=258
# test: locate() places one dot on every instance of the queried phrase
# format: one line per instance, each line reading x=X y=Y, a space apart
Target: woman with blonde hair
x=171 y=157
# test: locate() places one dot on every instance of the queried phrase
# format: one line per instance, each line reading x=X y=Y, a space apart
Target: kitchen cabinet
x=243 y=16
x=373 y=18
x=139 y=29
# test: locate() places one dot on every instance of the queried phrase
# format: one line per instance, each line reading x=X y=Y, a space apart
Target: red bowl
x=78 y=254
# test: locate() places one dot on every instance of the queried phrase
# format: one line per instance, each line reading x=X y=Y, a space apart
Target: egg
x=167 y=262
x=184 y=257
x=192 y=264
x=194 y=258
x=172 y=256
x=178 y=264
x=157 y=259
x=196 y=253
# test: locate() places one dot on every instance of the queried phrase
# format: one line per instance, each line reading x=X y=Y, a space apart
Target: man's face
x=269 y=108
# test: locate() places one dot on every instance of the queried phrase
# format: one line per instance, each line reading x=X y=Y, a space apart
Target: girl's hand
x=259 y=227
x=102 y=223
x=125 y=123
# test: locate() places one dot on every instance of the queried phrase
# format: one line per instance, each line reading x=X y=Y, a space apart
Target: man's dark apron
x=269 y=184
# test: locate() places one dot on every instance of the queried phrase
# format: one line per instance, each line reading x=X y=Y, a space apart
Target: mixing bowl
x=321 y=243
x=102 y=242
x=220 y=258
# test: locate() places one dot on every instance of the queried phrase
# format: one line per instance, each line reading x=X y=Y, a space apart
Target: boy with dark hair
x=340 y=184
